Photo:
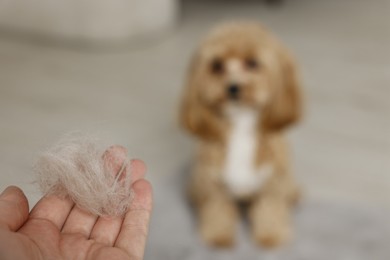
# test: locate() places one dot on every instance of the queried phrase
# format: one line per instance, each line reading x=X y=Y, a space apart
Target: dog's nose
x=233 y=91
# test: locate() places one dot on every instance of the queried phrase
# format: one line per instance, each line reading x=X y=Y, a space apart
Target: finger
x=134 y=230
x=53 y=209
x=138 y=170
x=106 y=229
x=114 y=159
x=79 y=222
x=13 y=208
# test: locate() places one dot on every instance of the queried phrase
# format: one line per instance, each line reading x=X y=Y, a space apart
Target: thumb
x=13 y=208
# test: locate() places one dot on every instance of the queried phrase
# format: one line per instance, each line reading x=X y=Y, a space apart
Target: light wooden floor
x=342 y=150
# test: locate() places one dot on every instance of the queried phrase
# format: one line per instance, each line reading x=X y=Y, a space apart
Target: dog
x=242 y=92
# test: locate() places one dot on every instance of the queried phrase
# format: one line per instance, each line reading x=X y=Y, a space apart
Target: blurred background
x=116 y=68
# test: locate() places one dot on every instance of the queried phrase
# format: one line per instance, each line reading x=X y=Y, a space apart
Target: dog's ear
x=195 y=116
x=285 y=107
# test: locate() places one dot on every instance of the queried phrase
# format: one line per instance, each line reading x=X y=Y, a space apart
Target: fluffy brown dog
x=242 y=93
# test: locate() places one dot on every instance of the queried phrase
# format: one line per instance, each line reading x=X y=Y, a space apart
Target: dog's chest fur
x=241 y=175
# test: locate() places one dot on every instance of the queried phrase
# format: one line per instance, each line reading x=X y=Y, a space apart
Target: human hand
x=57 y=229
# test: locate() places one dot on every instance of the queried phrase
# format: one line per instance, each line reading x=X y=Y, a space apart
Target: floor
x=129 y=94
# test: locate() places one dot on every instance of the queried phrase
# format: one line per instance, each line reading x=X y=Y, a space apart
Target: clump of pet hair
x=96 y=181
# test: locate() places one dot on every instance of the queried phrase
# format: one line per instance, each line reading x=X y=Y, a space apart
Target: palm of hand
x=56 y=229
x=43 y=240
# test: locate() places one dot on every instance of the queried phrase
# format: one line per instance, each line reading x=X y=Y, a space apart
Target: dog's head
x=243 y=64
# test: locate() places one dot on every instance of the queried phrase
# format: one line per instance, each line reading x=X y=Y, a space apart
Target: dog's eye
x=251 y=63
x=217 y=66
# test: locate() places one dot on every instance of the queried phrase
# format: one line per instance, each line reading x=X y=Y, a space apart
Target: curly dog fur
x=242 y=93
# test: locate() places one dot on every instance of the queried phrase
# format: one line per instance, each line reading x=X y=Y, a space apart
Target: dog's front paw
x=217 y=222
x=271 y=237
x=218 y=237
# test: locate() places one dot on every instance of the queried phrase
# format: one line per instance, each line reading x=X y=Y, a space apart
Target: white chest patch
x=240 y=174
